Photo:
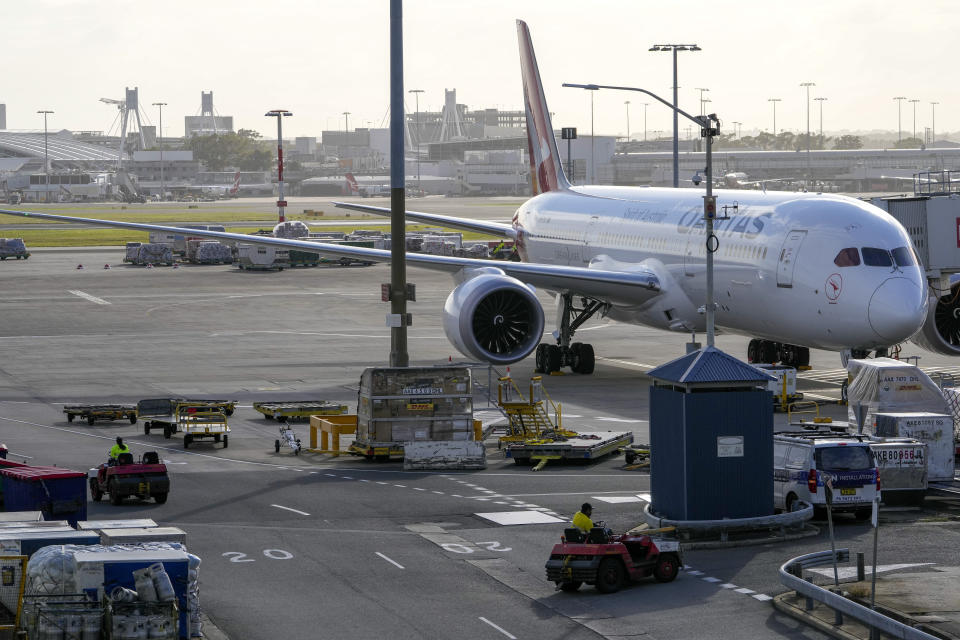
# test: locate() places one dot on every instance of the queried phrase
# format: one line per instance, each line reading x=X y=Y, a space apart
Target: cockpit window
x=873 y=257
x=847 y=258
x=904 y=257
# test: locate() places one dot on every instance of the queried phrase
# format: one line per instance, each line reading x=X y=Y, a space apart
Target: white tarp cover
x=952 y=396
x=885 y=385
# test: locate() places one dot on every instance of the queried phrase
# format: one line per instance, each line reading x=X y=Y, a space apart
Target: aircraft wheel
x=541 y=358
x=552 y=360
x=587 y=359
x=276 y=446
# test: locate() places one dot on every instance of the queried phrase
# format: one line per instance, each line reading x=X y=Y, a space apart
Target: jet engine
x=941 y=331
x=493 y=317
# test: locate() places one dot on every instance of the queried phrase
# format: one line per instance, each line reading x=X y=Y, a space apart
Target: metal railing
x=791 y=575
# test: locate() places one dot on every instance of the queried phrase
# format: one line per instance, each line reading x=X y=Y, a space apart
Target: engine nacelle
x=940 y=332
x=493 y=317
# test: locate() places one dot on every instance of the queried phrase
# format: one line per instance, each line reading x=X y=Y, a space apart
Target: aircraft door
x=590 y=238
x=788 y=257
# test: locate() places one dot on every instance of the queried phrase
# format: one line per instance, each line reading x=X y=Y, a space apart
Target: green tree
x=218 y=152
x=909 y=143
x=249 y=133
x=848 y=142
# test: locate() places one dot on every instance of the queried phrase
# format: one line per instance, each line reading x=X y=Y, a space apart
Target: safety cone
x=149 y=266
x=176 y=265
x=79 y=266
x=106 y=266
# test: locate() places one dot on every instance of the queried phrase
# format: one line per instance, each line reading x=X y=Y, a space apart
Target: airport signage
x=281 y=203
x=568 y=133
x=730 y=446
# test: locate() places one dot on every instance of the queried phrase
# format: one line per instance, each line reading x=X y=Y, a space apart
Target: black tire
x=630 y=457
x=281 y=419
x=115 y=497
x=752 y=350
x=610 y=575
x=268 y=416
x=803 y=357
x=276 y=446
x=575 y=356
x=570 y=586
x=132 y=418
x=95 y=493
x=216 y=437
x=228 y=412
x=91 y=420
x=541 y=358
x=667 y=568
x=790 y=503
x=167 y=432
x=69 y=417
x=146 y=429
x=187 y=439
x=226 y=441
x=588 y=360
x=160 y=498
x=552 y=358
x=863 y=514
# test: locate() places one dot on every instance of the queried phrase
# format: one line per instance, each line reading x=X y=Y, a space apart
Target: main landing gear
x=768 y=352
x=578 y=356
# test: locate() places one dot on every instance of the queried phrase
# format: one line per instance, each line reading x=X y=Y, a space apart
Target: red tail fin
x=236 y=184
x=352 y=187
x=546 y=171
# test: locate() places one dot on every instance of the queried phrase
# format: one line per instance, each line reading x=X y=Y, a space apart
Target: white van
x=804 y=462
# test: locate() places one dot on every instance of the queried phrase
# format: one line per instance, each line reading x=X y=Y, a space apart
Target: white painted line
x=711 y=579
x=482 y=499
x=455 y=495
x=744 y=591
x=646 y=497
x=695 y=573
x=762 y=597
x=519 y=517
x=849 y=572
x=402 y=486
x=728 y=585
x=500 y=629
x=362 y=480
x=383 y=483
x=87 y=296
x=507 y=504
x=439 y=493
x=396 y=564
x=330 y=475
x=419 y=489
x=617 y=499
x=624 y=420
x=280 y=506
x=346 y=477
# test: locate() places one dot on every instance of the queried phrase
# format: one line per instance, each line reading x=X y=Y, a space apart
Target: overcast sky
x=319 y=58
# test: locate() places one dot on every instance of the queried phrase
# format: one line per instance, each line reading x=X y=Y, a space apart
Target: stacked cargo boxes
x=415 y=404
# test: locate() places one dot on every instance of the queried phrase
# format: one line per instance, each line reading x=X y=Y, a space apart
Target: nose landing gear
x=578 y=356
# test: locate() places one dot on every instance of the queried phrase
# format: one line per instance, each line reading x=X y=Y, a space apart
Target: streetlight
x=808 y=85
x=709 y=128
x=163 y=190
x=701 y=98
x=676 y=132
x=774 y=101
x=736 y=125
x=279 y=114
x=933 y=126
x=627 y=103
x=46 y=158
x=915 y=101
x=645 y=105
x=346 y=121
x=899 y=100
x=821 y=101
x=416 y=94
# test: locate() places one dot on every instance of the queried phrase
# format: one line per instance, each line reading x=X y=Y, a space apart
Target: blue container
x=59 y=493
x=27 y=543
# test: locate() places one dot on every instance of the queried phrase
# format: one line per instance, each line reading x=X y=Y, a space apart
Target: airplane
x=220 y=190
x=367 y=190
x=793 y=271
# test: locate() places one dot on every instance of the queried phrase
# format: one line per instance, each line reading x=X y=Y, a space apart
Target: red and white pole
x=279 y=114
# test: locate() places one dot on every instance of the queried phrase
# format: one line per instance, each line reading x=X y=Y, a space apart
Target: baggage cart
x=94 y=413
x=160 y=413
x=199 y=423
x=299 y=409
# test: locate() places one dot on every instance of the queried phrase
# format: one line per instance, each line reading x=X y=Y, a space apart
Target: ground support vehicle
x=93 y=413
x=198 y=423
x=784 y=388
x=580 y=447
x=287 y=439
x=299 y=409
x=637 y=454
x=13 y=248
x=608 y=561
x=146 y=478
x=161 y=413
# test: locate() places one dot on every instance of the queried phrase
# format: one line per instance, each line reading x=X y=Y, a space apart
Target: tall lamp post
x=676 y=131
x=774 y=102
x=163 y=190
x=416 y=93
x=701 y=90
x=899 y=100
x=821 y=100
x=807 y=85
x=915 y=101
x=279 y=114
x=627 y=104
x=709 y=128
x=933 y=125
x=46 y=158
x=736 y=127
x=645 y=105
x=346 y=121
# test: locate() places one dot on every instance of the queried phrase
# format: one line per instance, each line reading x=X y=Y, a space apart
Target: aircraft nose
x=897 y=309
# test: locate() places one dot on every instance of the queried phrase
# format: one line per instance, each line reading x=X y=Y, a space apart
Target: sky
x=319 y=58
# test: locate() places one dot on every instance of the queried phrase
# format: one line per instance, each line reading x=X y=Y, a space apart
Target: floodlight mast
x=709 y=129
x=279 y=114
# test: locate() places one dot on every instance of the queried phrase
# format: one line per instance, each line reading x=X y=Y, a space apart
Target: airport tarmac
x=312 y=547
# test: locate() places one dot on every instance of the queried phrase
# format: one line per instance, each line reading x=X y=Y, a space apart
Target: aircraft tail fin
x=236 y=184
x=352 y=187
x=546 y=169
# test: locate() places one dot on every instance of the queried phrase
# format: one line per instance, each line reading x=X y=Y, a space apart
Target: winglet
x=546 y=170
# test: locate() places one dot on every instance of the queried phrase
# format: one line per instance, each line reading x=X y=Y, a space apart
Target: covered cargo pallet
x=885 y=385
x=209 y=252
x=59 y=493
x=155 y=253
x=444 y=456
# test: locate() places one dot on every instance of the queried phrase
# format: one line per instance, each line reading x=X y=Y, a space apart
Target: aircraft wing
x=493 y=228
x=633 y=287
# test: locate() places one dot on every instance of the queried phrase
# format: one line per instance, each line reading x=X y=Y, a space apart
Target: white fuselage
x=776 y=269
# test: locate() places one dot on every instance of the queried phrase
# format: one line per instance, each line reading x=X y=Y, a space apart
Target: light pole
x=676 y=131
x=709 y=128
x=933 y=125
x=593 y=155
x=821 y=101
x=416 y=94
x=915 y=101
x=736 y=126
x=808 y=85
x=774 y=101
x=899 y=100
x=627 y=103
x=46 y=158
x=645 y=105
x=279 y=114
x=346 y=121
x=701 y=98
x=163 y=190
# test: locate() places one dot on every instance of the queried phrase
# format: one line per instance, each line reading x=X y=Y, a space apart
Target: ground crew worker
x=581 y=519
x=118 y=448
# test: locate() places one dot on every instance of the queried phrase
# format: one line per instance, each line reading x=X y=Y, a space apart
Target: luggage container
x=154 y=253
x=19 y=517
x=255 y=257
x=127 y=523
x=784 y=388
x=132 y=251
x=135 y=536
x=16 y=542
x=903 y=469
x=59 y=493
x=933 y=429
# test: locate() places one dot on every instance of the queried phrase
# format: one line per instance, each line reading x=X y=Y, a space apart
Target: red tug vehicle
x=608 y=560
x=144 y=479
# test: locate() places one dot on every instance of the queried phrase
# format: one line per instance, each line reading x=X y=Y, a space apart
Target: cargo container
x=903 y=469
x=149 y=534
x=59 y=493
x=255 y=257
x=933 y=429
x=19 y=542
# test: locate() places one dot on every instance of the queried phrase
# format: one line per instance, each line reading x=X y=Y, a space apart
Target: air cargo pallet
x=106 y=412
x=585 y=447
x=299 y=409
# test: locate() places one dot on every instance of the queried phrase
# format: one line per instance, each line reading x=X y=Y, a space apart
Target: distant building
x=3 y=116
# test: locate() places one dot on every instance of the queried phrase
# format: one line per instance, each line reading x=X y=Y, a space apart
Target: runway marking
x=645 y=496
x=695 y=573
x=87 y=296
x=728 y=585
x=396 y=564
x=624 y=420
x=280 y=506
x=519 y=517
x=617 y=499
x=439 y=493
x=849 y=572
x=711 y=579
x=762 y=597
x=744 y=591
x=500 y=629
x=402 y=486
